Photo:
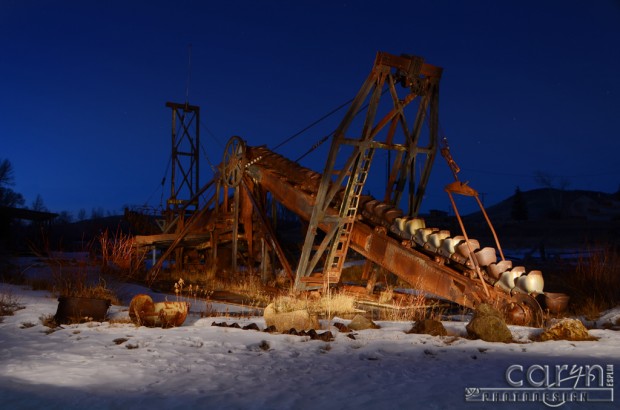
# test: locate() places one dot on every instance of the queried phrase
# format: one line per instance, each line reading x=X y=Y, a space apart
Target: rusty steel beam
x=414 y=267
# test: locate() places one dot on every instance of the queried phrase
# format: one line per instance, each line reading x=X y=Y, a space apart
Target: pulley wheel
x=234 y=161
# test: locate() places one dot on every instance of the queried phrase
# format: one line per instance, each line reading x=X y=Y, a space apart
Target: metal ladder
x=348 y=211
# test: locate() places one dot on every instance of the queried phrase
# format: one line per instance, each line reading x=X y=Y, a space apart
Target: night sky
x=527 y=87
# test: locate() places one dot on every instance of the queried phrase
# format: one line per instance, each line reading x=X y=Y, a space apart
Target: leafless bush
x=595 y=285
x=119 y=255
x=9 y=303
x=49 y=321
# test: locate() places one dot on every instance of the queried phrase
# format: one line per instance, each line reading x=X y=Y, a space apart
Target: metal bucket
x=496 y=269
x=485 y=256
x=533 y=282
x=436 y=238
x=143 y=311
x=556 y=302
x=78 y=309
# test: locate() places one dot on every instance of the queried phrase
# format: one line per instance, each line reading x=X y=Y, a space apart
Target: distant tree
x=519 y=207
x=38 y=205
x=81 y=214
x=6 y=173
x=8 y=197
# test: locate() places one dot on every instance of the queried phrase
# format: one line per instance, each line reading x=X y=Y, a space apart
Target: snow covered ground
x=118 y=365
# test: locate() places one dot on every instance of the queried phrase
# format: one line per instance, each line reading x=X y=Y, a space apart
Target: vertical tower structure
x=184 y=182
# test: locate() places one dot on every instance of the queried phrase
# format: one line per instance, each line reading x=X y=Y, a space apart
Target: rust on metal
x=144 y=312
x=336 y=213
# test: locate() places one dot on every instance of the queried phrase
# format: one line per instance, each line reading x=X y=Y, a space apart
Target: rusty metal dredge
x=399 y=97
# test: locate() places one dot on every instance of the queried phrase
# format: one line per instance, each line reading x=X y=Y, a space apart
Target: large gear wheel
x=234 y=161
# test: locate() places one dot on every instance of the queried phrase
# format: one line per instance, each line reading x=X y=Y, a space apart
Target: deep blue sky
x=527 y=86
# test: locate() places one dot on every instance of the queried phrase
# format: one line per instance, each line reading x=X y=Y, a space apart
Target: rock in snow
x=489 y=325
x=566 y=329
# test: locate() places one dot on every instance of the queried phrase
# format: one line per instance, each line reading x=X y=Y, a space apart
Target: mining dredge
x=396 y=109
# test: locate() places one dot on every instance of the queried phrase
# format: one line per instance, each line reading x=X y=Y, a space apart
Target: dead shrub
x=9 y=303
x=49 y=321
x=119 y=256
x=595 y=284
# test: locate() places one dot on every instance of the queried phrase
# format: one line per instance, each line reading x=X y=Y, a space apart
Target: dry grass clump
x=410 y=307
x=249 y=295
x=248 y=285
x=595 y=285
x=326 y=304
x=183 y=289
x=49 y=321
x=200 y=274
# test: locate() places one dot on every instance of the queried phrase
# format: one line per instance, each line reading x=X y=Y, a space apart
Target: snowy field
x=118 y=365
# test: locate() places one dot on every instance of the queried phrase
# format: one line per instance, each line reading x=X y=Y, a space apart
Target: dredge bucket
x=80 y=309
x=143 y=311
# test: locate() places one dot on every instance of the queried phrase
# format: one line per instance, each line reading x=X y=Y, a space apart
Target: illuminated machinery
x=399 y=103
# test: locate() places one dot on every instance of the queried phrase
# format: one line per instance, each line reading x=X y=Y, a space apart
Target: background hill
x=550 y=217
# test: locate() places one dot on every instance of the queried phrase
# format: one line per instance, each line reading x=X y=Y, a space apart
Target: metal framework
x=185 y=180
x=421 y=84
x=338 y=214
